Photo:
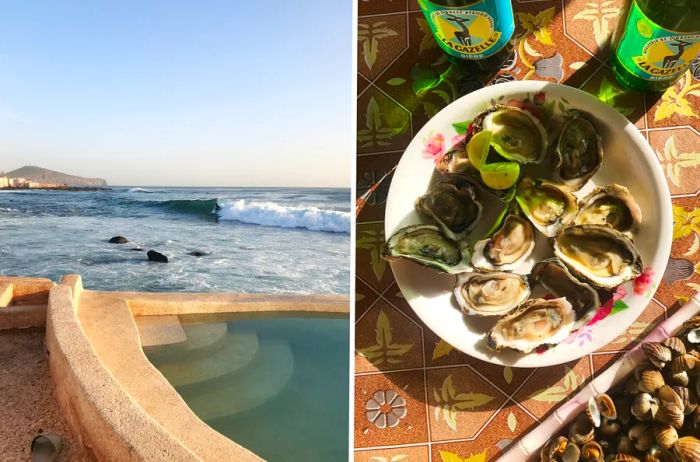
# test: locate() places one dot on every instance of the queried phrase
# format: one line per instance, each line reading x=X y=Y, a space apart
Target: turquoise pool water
x=278 y=386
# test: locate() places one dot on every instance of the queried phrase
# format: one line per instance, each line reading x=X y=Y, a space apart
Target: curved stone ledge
x=116 y=401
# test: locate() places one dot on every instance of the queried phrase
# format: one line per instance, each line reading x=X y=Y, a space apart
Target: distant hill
x=44 y=175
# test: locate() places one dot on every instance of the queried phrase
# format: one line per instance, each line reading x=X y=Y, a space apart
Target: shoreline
x=59 y=188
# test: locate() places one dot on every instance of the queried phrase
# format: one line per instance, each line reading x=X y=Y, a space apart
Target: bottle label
x=475 y=31
x=651 y=52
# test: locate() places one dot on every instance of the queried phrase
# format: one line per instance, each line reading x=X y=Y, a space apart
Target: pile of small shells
x=653 y=417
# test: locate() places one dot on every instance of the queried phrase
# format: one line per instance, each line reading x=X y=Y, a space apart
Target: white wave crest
x=272 y=214
x=139 y=190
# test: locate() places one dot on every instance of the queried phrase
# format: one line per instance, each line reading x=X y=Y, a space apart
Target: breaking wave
x=140 y=190
x=272 y=214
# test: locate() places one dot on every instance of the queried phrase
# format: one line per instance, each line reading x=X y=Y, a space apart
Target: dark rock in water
x=118 y=240
x=156 y=256
x=137 y=249
x=198 y=253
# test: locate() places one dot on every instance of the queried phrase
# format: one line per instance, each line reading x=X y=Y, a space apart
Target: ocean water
x=263 y=240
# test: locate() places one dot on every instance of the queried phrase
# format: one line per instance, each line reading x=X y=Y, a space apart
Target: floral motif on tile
x=557 y=393
x=675 y=99
x=376 y=132
x=373 y=240
x=385 y=409
x=369 y=36
x=384 y=350
x=602 y=16
x=449 y=402
x=447 y=456
x=674 y=161
x=537 y=26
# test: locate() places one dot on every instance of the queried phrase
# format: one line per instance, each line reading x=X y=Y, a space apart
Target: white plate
x=628 y=160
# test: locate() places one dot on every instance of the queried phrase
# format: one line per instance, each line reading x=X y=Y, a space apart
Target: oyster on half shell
x=534 y=323
x=451 y=204
x=612 y=205
x=507 y=248
x=490 y=294
x=553 y=276
x=547 y=205
x=428 y=246
x=578 y=151
x=599 y=254
x=517 y=135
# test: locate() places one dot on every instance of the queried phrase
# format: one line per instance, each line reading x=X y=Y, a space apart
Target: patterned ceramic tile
x=681 y=278
x=382 y=124
x=551 y=386
x=370 y=266
x=364 y=297
x=407 y=454
x=679 y=156
x=380 y=39
x=678 y=105
x=460 y=403
x=362 y=84
x=370 y=169
x=500 y=432
x=385 y=341
x=373 y=7
x=390 y=409
x=590 y=24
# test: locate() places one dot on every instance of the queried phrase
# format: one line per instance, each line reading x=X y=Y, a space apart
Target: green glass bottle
x=475 y=34
x=655 y=42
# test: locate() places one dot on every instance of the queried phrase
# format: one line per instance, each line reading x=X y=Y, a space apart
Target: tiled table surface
x=416 y=398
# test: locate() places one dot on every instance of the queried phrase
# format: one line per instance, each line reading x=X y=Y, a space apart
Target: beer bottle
x=655 y=42
x=475 y=34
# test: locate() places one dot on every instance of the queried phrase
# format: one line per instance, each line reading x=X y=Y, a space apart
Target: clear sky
x=176 y=92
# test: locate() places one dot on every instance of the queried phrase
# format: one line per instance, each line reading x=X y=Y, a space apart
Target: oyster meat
x=517 y=134
x=490 y=294
x=455 y=160
x=578 y=151
x=428 y=246
x=612 y=205
x=507 y=248
x=599 y=254
x=451 y=204
x=548 y=206
x=553 y=276
x=534 y=323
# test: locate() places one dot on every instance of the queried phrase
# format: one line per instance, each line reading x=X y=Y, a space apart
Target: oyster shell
x=578 y=150
x=517 y=134
x=599 y=254
x=507 y=248
x=426 y=245
x=455 y=160
x=556 y=279
x=536 y=322
x=612 y=205
x=490 y=294
x=547 y=205
x=451 y=204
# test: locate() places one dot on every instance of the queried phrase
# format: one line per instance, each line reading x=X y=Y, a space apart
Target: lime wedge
x=500 y=175
x=478 y=148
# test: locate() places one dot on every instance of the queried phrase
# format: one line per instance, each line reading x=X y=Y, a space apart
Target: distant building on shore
x=23 y=183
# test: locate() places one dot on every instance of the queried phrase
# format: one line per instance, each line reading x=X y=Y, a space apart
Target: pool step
x=237 y=351
x=259 y=381
x=201 y=340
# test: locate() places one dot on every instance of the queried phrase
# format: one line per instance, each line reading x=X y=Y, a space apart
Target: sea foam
x=272 y=214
